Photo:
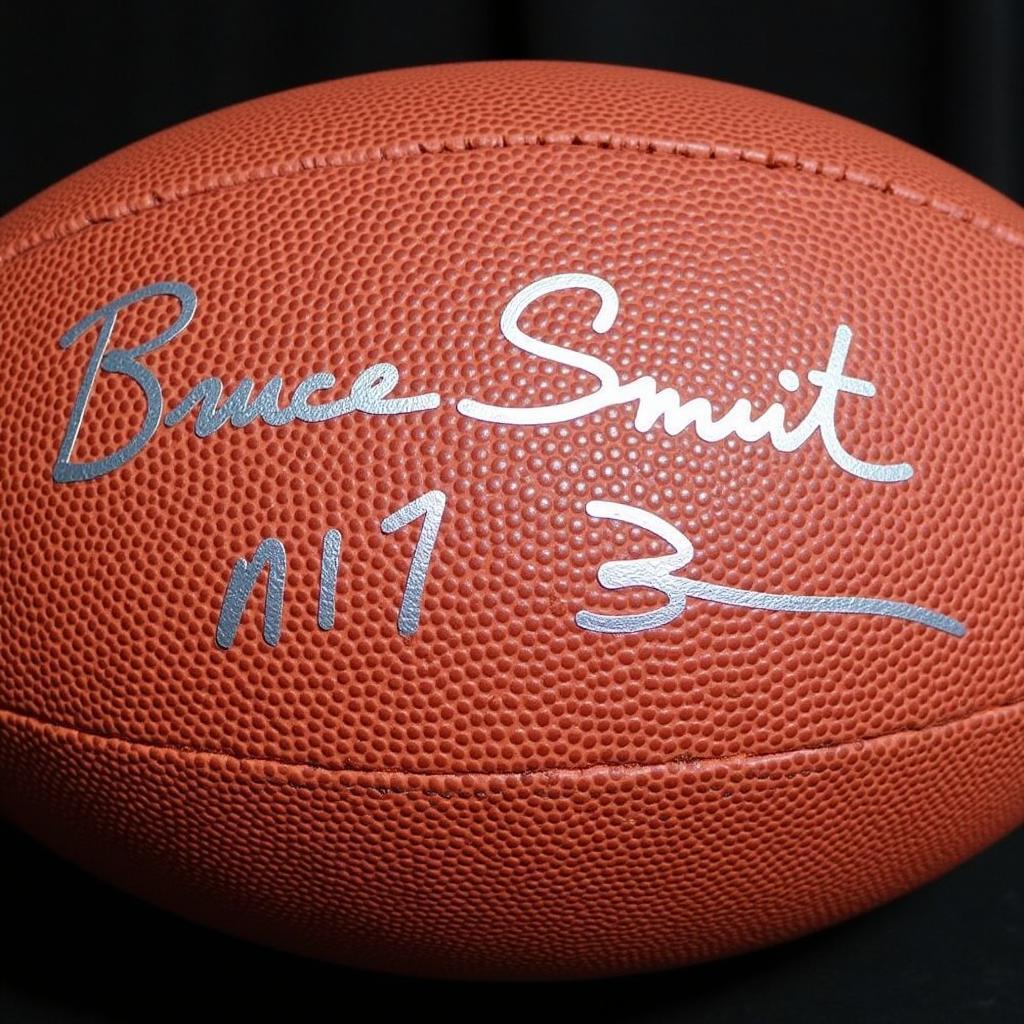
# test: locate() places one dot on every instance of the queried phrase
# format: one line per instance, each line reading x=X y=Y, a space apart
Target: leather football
x=513 y=520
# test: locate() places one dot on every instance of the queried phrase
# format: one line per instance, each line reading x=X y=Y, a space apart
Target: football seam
x=616 y=768
x=770 y=158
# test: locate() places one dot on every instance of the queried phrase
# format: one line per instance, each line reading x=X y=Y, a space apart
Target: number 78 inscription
x=270 y=554
x=657 y=573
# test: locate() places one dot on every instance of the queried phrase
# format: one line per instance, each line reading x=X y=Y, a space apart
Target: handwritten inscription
x=658 y=573
x=371 y=393
x=270 y=555
x=676 y=415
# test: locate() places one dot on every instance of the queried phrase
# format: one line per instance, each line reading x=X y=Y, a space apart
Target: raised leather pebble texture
x=503 y=793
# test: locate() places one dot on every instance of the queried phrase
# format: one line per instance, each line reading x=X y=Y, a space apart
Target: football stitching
x=617 y=767
x=770 y=159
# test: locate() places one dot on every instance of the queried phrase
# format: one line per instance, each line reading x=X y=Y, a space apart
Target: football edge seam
x=769 y=158
x=611 y=769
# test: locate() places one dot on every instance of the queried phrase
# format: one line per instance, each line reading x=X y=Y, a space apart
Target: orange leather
x=503 y=793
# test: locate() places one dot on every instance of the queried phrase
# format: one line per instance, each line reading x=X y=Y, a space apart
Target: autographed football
x=513 y=520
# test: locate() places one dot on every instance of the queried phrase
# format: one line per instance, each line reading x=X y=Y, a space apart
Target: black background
x=78 y=81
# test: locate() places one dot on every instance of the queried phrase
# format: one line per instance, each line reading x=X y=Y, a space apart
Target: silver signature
x=657 y=574
x=653 y=404
x=369 y=392
x=270 y=554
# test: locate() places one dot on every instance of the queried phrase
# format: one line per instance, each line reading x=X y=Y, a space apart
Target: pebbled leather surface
x=505 y=794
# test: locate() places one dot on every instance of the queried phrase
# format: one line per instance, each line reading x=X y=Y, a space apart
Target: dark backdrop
x=78 y=80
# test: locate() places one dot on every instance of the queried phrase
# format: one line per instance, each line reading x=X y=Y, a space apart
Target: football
x=514 y=520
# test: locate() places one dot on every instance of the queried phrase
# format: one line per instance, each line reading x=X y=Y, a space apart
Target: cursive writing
x=368 y=394
x=657 y=573
x=215 y=408
x=653 y=404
